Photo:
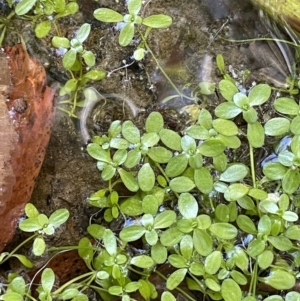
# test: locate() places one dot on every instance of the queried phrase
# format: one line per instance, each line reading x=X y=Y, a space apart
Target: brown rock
x=26 y=112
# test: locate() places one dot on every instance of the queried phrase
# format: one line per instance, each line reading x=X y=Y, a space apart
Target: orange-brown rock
x=26 y=112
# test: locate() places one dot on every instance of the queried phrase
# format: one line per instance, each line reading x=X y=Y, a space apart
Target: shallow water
x=186 y=50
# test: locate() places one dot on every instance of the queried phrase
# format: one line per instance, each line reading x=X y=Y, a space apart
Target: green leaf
x=293 y=232
x=107 y=15
x=30 y=225
x=167 y=296
x=170 y=139
x=110 y=242
x=171 y=237
x=285 y=105
x=85 y=250
x=230 y=290
x=133 y=158
x=213 y=262
x=181 y=184
x=280 y=242
x=18 y=285
x=177 y=165
x=197 y=131
x=139 y=54
x=132 y=206
x=202 y=242
x=150 y=139
x=203 y=180
x=71 y=8
x=126 y=34
x=177 y=261
x=134 y=6
x=58 y=217
x=279 y=279
x=11 y=296
x=234 y=173
x=265 y=259
x=23 y=259
x=227 y=89
x=69 y=59
x=224 y=230
x=165 y=219
x=212 y=147
x=246 y=224
x=146 y=177
x=295 y=126
x=291 y=181
x=154 y=122
x=89 y=58
x=227 y=110
x=158 y=21
x=130 y=132
x=292 y=296
x=204 y=221
x=187 y=205
x=274 y=170
x=259 y=94
x=176 y=278
x=128 y=179
x=186 y=247
x=241 y=259
x=39 y=246
x=132 y=286
x=24 y=7
x=96 y=231
x=95 y=74
x=160 y=154
x=264 y=225
x=142 y=261
x=250 y=116
x=159 y=253
x=255 y=134
x=47 y=279
x=150 y=204
x=235 y=191
x=132 y=233
x=256 y=247
x=31 y=211
x=277 y=126
x=225 y=127
x=83 y=32
x=238 y=277
x=68 y=293
x=60 y=42
x=42 y=29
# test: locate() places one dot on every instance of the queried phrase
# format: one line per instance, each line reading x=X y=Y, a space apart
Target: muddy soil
x=187 y=51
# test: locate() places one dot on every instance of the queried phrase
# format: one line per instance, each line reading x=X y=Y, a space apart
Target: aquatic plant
x=194 y=202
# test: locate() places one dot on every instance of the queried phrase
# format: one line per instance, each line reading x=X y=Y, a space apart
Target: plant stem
x=252 y=166
x=161 y=68
x=60 y=289
x=20 y=245
x=177 y=288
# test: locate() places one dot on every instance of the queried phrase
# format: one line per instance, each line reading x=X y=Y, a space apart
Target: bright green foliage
x=42 y=9
x=191 y=202
x=131 y=21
